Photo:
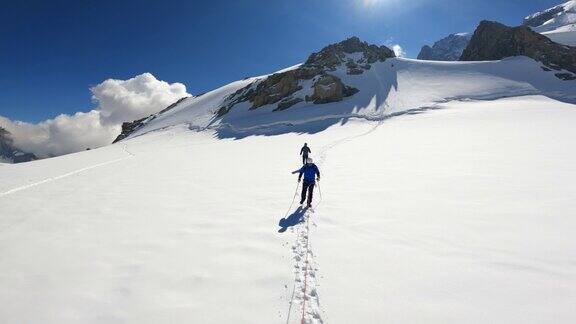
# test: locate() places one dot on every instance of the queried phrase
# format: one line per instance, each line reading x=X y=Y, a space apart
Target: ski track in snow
x=305 y=291
x=51 y=179
x=31 y=185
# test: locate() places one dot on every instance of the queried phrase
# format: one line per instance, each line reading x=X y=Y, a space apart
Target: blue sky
x=52 y=52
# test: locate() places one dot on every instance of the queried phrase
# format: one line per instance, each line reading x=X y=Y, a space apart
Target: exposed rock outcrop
x=130 y=127
x=10 y=153
x=495 y=41
x=329 y=88
x=275 y=88
x=449 y=48
x=334 y=55
x=287 y=88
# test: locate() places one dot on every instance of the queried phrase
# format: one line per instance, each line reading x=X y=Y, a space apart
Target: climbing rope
x=302 y=320
x=306 y=263
x=293 y=198
x=320 y=194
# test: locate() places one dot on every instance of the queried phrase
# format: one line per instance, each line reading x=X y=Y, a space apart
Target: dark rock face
x=447 y=49
x=566 y=76
x=495 y=41
x=282 y=88
x=9 y=152
x=130 y=127
x=426 y=53
x=285 y=104
x=274 y=88
x=333 y=55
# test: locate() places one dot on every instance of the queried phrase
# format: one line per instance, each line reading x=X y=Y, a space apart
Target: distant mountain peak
x=10 y=153
x=552 y=18
x=285 y=89
x=449 y=48
x=335 y=54
x=495 y=41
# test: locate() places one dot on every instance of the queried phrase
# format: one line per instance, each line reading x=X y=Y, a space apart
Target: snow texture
x=388 y=88
x=446 y=197
x=561 y=25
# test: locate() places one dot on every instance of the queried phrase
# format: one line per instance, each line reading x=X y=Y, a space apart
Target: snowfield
x=447 y=196
x=563 y=35
x=388 y=88
x=561 y=28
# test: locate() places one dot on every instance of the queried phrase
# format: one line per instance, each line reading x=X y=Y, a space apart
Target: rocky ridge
x=130 y=127
x=284 y=88
x=495 y=41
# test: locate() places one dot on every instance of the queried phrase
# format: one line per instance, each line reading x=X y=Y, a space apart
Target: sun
x=370 y=3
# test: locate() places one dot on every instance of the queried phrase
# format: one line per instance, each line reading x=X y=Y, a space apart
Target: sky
x=53 y=52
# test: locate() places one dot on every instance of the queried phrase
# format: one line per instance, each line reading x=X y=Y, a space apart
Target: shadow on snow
x=294 y=219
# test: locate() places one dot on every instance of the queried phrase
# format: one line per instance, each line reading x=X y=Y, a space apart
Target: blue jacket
x=310 y=171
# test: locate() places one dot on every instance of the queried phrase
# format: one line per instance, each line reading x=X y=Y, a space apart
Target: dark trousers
x=304 y=158
x=307 y=186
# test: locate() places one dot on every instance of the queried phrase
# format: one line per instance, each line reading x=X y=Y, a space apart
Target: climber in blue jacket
x=310 y=172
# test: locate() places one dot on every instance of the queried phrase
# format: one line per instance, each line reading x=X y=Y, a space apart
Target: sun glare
x=370 y=3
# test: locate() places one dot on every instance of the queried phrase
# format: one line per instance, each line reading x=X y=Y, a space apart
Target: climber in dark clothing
x=304 y=152
x=310 y=172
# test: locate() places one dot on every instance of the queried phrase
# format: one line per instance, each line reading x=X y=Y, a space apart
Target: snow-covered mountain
x=557 y=23
x=386 y=86
x=9 y=153
x=447 y=195
x=449 y=48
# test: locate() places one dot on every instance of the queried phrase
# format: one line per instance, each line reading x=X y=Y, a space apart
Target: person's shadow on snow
x=295 y=218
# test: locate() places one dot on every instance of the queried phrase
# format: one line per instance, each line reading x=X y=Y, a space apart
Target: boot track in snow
x=304 y=291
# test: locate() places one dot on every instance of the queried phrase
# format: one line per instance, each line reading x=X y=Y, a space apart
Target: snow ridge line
x=50 y=179
x=369 y=117
x=374 y=118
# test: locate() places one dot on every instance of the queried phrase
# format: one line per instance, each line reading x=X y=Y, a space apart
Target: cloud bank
x=135 y=98
x=398 y=50
x=117 y=101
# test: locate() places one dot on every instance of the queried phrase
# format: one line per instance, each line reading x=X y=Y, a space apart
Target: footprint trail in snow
x=305 y=290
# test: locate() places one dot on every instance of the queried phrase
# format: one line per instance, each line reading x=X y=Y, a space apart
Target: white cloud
x=118 y=101
x=121 y=101
x=398 y=50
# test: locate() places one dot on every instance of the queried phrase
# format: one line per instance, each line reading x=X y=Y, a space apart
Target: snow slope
x=388 y=88
x=565 y=15
x=457 y=214
x=563 y=35
x=446 y=197
x=559 y=23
